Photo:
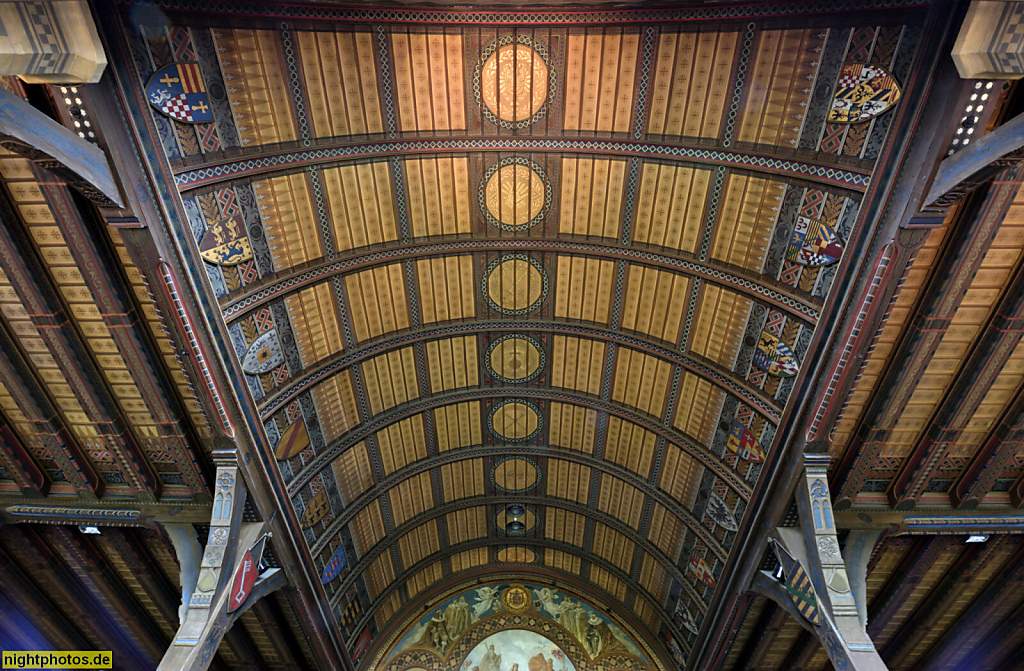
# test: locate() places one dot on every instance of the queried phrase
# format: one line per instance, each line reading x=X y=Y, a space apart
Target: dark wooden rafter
x=91 y=567
x=990 y=352
x=1000 y=595
x=51 y=315
x=998 y=650
x=75 y=599
x=902 y=583
x=988 y=462
x=51 y=428
x=35 y=601
x=23 y=469
x=950 y=279
x=769 y=623
x=957 y=578
x=123 y=318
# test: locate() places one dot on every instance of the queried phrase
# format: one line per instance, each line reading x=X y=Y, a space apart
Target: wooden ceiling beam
x=92 y=569
x=33 y=481
x=46 y=417
x=986 y=359
x=902 y=583
x=272 y=620
x=1001 y=593
x=949 y=280
x=770 y=622
x=998 y=649
x=957 y=578
x=27 y=596
x=73 y=595
x=50 y=312
x=987 y=462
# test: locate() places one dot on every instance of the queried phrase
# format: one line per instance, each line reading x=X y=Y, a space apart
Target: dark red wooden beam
x=949 y=280
x=995 y=344
x=24 y=470
x=998 y=448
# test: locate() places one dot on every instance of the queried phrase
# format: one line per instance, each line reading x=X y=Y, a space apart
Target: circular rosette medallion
x=514 y=81
x=516 y=475
x=515 y=359
x=515 y=421
x=516 y=598
x=515 y=284
x=514 y=194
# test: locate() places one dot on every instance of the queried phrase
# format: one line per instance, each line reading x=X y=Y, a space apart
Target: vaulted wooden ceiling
x=525 y=259
x=460 y=260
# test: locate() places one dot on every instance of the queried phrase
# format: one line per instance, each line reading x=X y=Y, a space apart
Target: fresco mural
x=517 y=650
x=442 y=626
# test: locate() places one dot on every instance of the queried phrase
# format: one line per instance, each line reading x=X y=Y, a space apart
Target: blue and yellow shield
x=774 y=357
x=178 y=90
x=862 y=93
x=225 y=243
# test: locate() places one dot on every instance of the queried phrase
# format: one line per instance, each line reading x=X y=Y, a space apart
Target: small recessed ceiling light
x=85 y=529
x=977 y=538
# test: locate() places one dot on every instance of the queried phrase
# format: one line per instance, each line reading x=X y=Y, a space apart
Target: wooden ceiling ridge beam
x=46 y=416
x=273 y=622
x=396 y=414
x=721 y=377
x=121 y=111
x=980 y=367
x=393 y=538
x=751 y=285
x=52 y=316
x=949 y=280
x=908 y=154
x=401 y=579
x=769 y=623
x=954 y=581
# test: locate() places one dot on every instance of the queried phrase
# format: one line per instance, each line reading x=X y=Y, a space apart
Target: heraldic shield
x=774 y=357
x=814 y=243
x=178 y=91
x=862 y=93
x=743 y=443
x=225 y=243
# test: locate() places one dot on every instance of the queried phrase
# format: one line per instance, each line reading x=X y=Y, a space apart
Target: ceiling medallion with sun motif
x=513 y=81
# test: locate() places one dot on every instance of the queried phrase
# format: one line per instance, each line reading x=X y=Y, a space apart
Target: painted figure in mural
x=487 y=597
x=491 y=660
x=458 y=617
x=592 y=640
x=546 y=599
x=540 y=663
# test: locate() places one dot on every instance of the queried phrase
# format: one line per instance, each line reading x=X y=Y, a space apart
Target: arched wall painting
x=514 y=627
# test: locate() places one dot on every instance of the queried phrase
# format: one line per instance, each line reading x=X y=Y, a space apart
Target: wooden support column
x=221 y=594
x=815 y=587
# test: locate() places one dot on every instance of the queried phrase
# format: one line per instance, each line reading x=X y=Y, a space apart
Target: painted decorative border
x=482 y=196
x=275 y=10
x=522 y=380
x=233 y=310
x=846 y=179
